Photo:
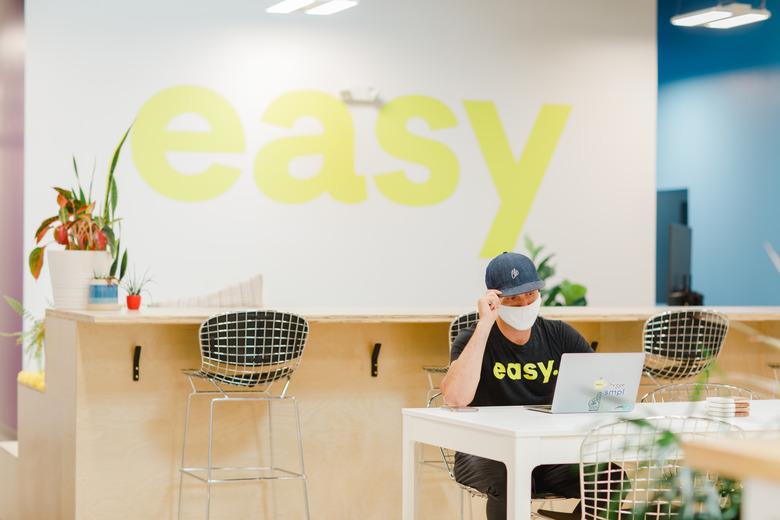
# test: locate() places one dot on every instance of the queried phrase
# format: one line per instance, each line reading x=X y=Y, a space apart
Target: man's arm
x=460 y=384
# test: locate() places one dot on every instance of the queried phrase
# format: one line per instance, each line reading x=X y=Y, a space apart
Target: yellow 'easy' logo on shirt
x=528 y=371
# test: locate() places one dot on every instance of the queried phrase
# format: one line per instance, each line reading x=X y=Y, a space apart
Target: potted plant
x=30 y=338
x=91 y=243
x=564 y=293
x=134 y=287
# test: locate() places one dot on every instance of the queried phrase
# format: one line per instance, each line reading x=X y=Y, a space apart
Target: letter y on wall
x=516 y=181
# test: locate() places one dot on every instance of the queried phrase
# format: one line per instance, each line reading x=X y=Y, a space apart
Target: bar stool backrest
x=687 y=392
x=252 y=347
x=462 y=322
x=681 y=343
x=628 y=466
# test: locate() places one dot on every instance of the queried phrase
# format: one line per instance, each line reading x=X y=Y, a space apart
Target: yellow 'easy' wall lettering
x=152 y=140
x=516 y=181
x=392 y=134
x=336 y=145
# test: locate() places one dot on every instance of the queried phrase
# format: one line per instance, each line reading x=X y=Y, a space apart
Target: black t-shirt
x=521 y=374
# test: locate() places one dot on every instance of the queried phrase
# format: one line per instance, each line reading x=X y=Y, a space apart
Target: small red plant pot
x=133 y=302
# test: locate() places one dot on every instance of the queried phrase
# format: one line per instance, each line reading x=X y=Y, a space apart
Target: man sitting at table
x=510 y=357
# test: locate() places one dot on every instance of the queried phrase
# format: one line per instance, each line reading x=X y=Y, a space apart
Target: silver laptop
x=591 y=383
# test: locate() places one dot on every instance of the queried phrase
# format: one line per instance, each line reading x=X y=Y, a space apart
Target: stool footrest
x=222 y=474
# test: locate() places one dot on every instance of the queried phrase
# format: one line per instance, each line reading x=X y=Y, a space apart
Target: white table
x=523 y=439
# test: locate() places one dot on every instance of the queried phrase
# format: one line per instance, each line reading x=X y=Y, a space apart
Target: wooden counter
x=739 y=459
x=98 y=445
x=568 y=314
x=756 y=462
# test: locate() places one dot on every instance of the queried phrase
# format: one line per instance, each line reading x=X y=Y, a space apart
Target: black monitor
x=679 y=278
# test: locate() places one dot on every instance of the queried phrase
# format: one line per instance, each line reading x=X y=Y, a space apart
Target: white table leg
x=410 y=474
x=518 y=487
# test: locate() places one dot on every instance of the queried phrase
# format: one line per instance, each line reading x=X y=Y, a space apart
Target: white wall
x=93 y=64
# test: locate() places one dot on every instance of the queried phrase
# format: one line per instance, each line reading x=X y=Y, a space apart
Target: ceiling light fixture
x=700 y=17
x=288 y=6
x=723 y=16
x=755 y=15
x=332 y=7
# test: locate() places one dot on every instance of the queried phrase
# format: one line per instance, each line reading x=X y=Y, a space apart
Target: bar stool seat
x=248 y=380
x=245 y=357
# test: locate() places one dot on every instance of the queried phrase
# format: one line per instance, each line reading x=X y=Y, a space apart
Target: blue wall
x=719 y=136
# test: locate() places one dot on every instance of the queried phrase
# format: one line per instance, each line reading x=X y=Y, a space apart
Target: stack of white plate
x=726 y=407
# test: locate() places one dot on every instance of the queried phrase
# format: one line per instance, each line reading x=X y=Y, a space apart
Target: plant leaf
x=78 y=179
x=36 y=261
x=115 y=263
x=85 y=208
x=17 y=306
x=545 y=271
x=43 y=228
x=114 y=195
x=14 y=304
x=551 y=295
x=546 y=259
x=572 y=292
x=123 y=268
x=529 y=244
x=110 y=238
x=91 y=180
x=118 y=150
x=67 y=194
x=110 y=181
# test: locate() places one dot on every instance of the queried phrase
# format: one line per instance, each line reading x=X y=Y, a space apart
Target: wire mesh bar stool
x=681 y=344
x=629 y=469
x=245 y=357
x=687 y=392
x=448 y=461
x=463 y=321
x=457 y=325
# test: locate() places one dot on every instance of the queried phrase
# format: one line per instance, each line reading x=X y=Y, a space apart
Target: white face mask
x=520 y=318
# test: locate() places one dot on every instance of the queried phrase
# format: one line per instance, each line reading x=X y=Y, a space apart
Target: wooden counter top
x=181 y=315
x=736 y=458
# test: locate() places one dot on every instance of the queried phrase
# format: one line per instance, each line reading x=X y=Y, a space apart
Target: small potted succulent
x=134 y=286
x=104 y=292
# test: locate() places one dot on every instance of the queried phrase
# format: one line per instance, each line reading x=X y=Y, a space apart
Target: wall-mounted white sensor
x=368 y=95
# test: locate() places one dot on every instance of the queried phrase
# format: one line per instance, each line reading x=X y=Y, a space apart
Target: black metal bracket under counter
x=375 y=359
x=137 y=363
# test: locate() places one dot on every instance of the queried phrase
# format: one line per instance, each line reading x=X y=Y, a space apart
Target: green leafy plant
x=77 y=225
x=691 y=494
x=563 y=293
x=31 y=340
x=134 y=284
x=684 y=493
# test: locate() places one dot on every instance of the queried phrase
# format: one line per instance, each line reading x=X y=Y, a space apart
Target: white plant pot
x=71 y=273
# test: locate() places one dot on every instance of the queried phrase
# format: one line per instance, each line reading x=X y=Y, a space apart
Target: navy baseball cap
x=512 y=274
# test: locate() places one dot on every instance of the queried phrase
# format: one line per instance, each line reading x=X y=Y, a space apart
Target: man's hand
x=487 y=306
